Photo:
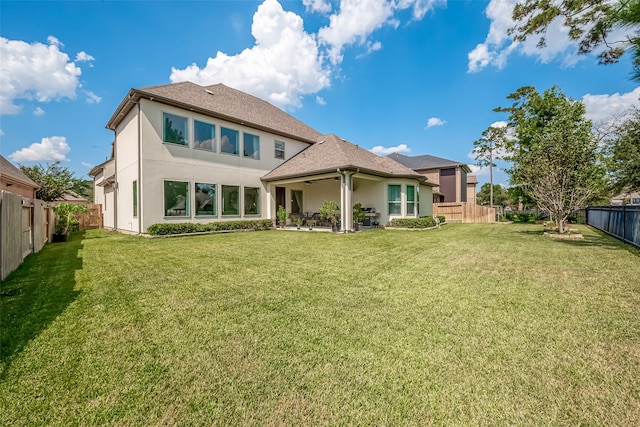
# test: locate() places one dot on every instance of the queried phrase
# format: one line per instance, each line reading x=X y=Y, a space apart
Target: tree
x=497 y=197
x=54 y=180
x=589 y=21
x=623 y=148
x=493 y=139
x=555 y=156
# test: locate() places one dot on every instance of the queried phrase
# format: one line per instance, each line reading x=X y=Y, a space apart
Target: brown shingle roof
x=11 y=172
x=330 y=153
x=222 y=102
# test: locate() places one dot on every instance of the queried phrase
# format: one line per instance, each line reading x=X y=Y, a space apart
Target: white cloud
x=282 y=66
x=320 y=100
x=1 y=132
x=435 y=121
x=87 y=165
x=38 y=111
x=382 y=151
x=498 y=45
x=35 y=71
x=53 y=148
x=320 y=6
x=84 y=57
x=92 y=98
x=603 y=108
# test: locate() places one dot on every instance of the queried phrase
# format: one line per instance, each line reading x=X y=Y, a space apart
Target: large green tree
x=590 y=22
x=554 y=154
x=497 y=197
x=54 y=180
x=623 y=148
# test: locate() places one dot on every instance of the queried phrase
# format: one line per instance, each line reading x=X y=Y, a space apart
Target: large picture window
x=251 y=201
x=395 y=201
x=279 y=150
x=411 y=200
x=205 y=199
x=251 y=146
x=230 y=200
x=176 y=198
x=175 y=129
x=229 y=141
x=204 y=136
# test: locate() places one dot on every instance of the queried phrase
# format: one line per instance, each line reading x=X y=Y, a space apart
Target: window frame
x=187 y=202
x=164 y=129
x=224 y=202
x=396 y=203
x=257 y=201
x=279 y=150
x=412 y=203
x=215 y=200
x=214 y=141
x=255 y=138
x=237 y=142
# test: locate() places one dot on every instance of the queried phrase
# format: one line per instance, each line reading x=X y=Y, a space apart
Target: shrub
x=510 y=216
x=524 y=216
x=441 y=218
x=424 y=222
x=189 y=227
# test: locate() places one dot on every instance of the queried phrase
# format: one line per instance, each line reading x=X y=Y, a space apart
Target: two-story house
x=189 y=153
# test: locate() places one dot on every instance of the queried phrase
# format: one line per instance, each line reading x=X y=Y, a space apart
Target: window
x=204 y=136
x=228 y=141
x=230 y=199
x=135 y=198
x=279 y=150
x=296 y=201
x=251 y=146
x=411 y=200
x=251 y=201
x=205 y=199
x=176 y=198
x=175 y=129
x=395 y=202
x=635 y=201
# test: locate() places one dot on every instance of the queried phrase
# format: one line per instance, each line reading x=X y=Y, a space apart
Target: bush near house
x=424 y=222
x=188 y=227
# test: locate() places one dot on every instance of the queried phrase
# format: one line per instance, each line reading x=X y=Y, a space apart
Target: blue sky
x=414 y=76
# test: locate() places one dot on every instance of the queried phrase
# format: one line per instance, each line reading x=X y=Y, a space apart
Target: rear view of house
x=189 y=153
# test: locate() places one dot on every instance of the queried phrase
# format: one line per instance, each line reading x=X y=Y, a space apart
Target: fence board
x=622 y=222
x=465 y=212
x=11 y=228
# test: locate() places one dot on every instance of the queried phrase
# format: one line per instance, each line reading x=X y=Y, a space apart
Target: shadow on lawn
x=599 y=238
x=35 y=294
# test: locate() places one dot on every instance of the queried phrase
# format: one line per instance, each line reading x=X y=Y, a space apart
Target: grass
x=467 y=324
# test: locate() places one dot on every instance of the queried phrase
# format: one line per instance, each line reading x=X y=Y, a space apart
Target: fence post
x=624 y=223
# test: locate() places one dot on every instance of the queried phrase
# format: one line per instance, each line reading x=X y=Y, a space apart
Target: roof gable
x=7 y=170
x=331 y=153
x=223 y=102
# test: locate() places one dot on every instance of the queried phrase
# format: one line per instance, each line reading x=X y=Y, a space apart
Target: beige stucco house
x=189 y=153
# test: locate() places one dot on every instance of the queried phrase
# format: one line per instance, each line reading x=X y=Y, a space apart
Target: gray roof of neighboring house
x=9 y=171
x=331 y=153
x=222 y=102
x=426 y=162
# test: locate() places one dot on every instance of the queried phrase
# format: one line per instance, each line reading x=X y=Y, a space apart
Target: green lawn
x=467 y=324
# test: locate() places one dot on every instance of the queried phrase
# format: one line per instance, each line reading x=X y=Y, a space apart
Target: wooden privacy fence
x=465 y=212
x=25 y=226
x=92 y=219
x=622 y=222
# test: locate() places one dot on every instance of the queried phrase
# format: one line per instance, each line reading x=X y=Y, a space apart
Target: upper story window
x=174 y=129
x=395 y=200
x=204 y=136
x=279 y=150
x=229 y=141
x=251 y=146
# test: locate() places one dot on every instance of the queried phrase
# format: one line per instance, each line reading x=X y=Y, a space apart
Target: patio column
x=346 y=200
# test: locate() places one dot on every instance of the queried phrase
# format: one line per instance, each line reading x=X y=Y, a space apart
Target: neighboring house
x=15 y=181
x=450 y=177
x=184 y=152
x=73 y=198
x=472 y=182
x=626 y=199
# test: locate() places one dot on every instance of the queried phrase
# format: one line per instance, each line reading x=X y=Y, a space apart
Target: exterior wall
x=461 y=185
x=18 y=188
x=165 y=161
x=471 y=193
x=126 y=154
x=426 y=201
